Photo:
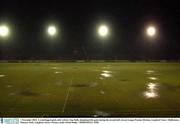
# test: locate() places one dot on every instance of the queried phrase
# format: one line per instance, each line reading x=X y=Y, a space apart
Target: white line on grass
x=67 y=96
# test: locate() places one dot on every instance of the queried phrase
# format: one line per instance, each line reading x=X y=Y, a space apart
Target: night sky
x=77 y=23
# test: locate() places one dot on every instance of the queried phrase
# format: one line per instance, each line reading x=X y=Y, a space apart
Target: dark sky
x=77 y=22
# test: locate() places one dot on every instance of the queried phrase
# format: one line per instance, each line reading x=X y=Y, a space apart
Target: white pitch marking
x=67 y=96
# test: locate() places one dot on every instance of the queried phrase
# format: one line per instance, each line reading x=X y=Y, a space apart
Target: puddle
x=107 y=67
x=79 y=85
x=29 y=93
x=107 y=71
x=2 y=75
x=150 y=71
x=96 y=70
x=102 y=92
x=152 y=86
x=54 y=67
x=169 y=86
x=106 y=74
x=59 y=83
x=12 y=94
x=153 y=78
x=75 y=67
x=150 y=94
x=93 y=85
x=152 y=90
x=46 y=94
x=101 y=114
x=9 y=86
x=58 y=72
x=124 y=80
x=101 y=78
x=84 y=85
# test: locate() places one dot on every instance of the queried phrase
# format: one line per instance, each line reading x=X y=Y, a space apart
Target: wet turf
x=90 y=89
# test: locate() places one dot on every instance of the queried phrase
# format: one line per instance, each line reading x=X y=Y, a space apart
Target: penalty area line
x=67 y=96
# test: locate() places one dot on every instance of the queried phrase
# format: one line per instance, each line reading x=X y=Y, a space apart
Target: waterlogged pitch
x=90 y=89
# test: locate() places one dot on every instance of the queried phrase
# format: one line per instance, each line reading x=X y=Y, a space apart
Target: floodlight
x=151 y=31
x=4 y=31
x=51 y=30
x=103 y=31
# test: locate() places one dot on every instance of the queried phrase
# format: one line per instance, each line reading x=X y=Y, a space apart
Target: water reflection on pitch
x=105 y=74
x=152 y=90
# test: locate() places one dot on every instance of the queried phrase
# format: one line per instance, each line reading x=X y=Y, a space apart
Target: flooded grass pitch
x=90 y=89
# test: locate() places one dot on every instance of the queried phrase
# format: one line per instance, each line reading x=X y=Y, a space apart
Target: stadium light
x=103 y=31
x=52 y=30
x=4 y=31
x=151 y=31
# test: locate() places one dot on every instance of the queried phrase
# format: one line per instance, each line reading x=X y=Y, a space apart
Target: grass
x=90 y=89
